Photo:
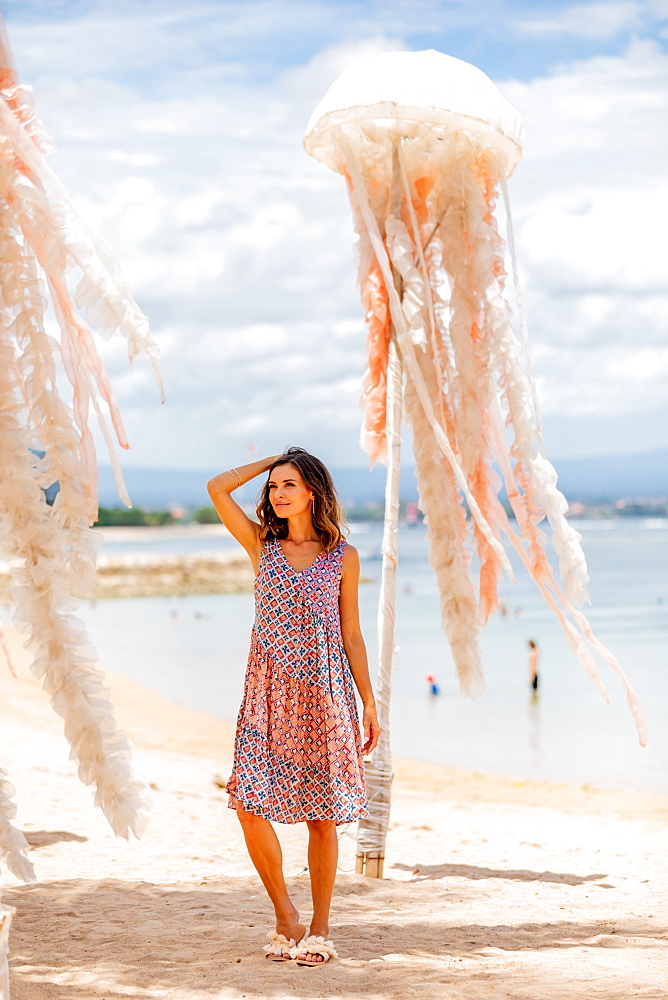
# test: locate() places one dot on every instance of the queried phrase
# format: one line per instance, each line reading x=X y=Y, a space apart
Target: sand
x=494 y=888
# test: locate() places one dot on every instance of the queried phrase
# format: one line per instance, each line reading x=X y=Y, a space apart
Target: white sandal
x=314 y=946
x=279 y=948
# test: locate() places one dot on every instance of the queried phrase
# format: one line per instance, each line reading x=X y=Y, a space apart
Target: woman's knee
x=248 y=819
x=321 y=827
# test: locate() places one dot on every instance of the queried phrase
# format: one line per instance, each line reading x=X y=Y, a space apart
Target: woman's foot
x=279 y=949
x=291 y=927
x=318 y=938
x=288 y=932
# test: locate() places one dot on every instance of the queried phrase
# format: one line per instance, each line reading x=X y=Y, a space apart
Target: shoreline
x=196 y=733
x=493 y=886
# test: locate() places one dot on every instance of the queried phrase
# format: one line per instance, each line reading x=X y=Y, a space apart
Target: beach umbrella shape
x=426 y=143
x=45 y=249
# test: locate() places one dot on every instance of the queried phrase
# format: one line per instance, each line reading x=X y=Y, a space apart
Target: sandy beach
x=495 y=887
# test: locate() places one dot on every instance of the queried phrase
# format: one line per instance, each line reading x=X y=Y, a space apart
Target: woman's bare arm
x=233 y=517
x=353 y=643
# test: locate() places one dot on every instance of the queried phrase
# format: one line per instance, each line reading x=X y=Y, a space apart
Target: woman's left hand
x=371 y=728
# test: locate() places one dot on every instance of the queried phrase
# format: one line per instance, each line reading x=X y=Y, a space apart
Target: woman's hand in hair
x=233 y=517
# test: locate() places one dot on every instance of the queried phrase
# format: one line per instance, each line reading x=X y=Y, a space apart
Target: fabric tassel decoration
x=13 y=845
x=44 y=440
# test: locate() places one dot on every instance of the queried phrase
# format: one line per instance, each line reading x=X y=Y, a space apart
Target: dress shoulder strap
x=336 y=555
x=268 y=551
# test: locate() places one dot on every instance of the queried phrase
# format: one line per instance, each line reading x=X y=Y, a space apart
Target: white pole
x=372 y=831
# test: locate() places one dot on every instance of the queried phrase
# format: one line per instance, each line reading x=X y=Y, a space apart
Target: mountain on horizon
x=593 y=479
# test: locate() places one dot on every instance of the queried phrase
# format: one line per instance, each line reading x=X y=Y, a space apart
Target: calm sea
x=193 y=649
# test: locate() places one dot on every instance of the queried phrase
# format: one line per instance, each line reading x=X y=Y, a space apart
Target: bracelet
x=233 y=472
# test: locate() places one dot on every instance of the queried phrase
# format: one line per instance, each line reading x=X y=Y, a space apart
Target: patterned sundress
x=298 y=753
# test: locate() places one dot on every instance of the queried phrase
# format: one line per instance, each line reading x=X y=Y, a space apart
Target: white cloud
x=605 y=239
x=591 y=206
x=598 y=119
x=590 y=21
x=239 y=246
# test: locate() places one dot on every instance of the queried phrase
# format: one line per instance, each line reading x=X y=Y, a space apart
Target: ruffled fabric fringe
x=43 y=241
x=432 y=275
x=13 y=845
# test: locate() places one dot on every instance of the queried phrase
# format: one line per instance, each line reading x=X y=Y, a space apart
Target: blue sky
x=179 y=130
x=257 y=39
x=520 y=39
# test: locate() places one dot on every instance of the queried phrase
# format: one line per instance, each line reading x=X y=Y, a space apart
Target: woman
x=298 y=752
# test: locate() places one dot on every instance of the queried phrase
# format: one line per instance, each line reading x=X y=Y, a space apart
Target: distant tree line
x=134 y=517
x=137 y=516
x=206 y=515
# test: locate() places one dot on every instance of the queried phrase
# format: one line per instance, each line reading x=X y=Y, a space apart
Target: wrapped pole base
x=370 y=864
x=372 y=830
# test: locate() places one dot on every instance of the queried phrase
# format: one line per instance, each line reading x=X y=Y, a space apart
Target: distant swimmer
x=433 y=686
x=534 y=656
x=412 y=514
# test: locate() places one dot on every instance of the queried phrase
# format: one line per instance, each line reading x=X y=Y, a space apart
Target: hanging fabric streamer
x=425 y=143
x=45 y=440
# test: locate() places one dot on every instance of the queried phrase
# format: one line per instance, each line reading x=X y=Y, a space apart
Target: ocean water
x=193 y=649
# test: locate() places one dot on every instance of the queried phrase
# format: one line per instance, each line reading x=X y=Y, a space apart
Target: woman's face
x=288 y=493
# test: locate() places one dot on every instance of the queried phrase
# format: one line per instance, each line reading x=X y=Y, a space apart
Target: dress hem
x=267 y=814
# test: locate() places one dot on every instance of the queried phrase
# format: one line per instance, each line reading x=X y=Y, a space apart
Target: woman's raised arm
x=235 y=520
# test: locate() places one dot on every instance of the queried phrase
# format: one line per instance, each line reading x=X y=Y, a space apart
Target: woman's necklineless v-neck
x=304 y=568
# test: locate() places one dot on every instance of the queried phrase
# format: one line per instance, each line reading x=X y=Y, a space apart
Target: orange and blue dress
x=298 y=752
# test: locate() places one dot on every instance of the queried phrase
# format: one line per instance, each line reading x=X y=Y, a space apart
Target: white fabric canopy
x=421 y=95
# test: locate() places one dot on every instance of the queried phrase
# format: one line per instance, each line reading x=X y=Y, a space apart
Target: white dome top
x=421 y=95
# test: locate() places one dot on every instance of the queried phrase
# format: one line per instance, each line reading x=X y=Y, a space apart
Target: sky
x=179 y=129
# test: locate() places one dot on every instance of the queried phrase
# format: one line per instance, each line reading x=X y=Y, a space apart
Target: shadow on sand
x=45 y=838
x=115 y=938
x=519 y=875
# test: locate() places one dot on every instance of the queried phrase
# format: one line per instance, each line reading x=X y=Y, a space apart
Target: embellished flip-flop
x=314 y=945
x=279 y=948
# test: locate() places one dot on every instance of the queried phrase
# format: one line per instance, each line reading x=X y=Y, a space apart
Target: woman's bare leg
x=323 y=856
x=265 y=853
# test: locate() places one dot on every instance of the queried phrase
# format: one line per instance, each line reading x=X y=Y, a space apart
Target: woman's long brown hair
x=327 y=516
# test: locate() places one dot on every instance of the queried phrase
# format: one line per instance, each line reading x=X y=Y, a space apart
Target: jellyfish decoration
x=426 y=142
x=48 y=358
